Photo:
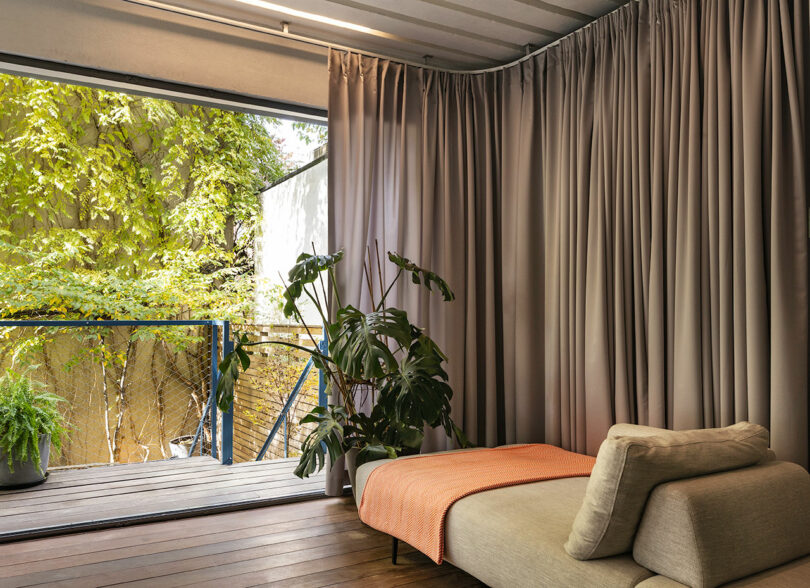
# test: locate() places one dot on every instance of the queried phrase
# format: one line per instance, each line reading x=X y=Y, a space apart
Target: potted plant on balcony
x=386 y=372
x=30 y=423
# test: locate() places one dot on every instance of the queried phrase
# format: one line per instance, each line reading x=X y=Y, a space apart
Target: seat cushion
x=709 y=530
x=361 y=477
x=794 y=574
x=514 y=537
x=628 y=467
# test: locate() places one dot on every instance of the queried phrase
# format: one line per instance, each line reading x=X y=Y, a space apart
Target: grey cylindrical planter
x=351 y=466
x=25 y=472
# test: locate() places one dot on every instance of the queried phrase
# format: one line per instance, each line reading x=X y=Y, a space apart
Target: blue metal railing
x=283 y=416
x=227 y=416
x=210 y=410
x=211 y=407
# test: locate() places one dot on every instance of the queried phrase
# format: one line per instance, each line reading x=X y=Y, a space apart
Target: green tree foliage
x=117 y=206
x=310 y=133
x=121 y=206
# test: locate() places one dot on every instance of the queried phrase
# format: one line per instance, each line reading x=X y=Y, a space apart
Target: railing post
x=285 y=410
x=286 y=437
x=323 y=399
x=227 y=417
x=214 y=383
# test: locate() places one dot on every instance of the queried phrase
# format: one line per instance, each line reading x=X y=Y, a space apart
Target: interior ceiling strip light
x=315 y=17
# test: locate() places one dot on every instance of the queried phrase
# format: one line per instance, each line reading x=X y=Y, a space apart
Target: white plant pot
x=181 y=446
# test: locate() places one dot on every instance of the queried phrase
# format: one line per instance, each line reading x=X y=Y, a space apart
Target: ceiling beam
x=426 y=23
x=560 y=10
x=493 y=18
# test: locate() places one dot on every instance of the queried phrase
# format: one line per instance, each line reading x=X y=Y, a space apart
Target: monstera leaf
x=418 y=390
x=229 y=372
x=420 y=275
x=357 y=341
x=306 y=270
x=381 y=438
x=327 y=438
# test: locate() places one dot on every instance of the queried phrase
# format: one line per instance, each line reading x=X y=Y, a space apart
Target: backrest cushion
x=628 y=467
x=710 y=530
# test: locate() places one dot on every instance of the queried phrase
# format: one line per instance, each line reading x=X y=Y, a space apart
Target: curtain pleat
x=622 y=218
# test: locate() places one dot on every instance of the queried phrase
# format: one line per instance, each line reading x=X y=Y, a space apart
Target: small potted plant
x=30 y=423
x=386 y=373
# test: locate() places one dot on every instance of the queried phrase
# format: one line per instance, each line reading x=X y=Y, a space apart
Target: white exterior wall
x=294 y=215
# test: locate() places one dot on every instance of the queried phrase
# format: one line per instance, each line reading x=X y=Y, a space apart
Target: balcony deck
x=105 y=496
x=305 y=545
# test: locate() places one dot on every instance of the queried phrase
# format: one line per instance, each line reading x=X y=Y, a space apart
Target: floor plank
x=308 y=545
x=91 y=498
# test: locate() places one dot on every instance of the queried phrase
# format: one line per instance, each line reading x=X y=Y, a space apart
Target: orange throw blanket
x=409 y=498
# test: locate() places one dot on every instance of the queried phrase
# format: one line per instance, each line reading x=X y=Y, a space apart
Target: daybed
x=748 y=526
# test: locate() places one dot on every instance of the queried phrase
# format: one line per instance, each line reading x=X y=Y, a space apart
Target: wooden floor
x=305 y=544
x=98 y=497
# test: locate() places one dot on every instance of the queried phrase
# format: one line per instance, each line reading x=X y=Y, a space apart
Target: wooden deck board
x=72 y=500
x=307 y=544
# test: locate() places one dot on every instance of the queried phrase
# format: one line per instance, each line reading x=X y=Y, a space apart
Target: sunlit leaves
x=107 y=192
x=306 y=270
x=229 y=369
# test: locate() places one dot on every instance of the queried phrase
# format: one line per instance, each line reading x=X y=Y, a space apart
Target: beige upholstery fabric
x=794 y=574
x=628 y=468
x=361 y=477
x=661 y=582
x=513 y=537
x=631 y=430
x=713 y=529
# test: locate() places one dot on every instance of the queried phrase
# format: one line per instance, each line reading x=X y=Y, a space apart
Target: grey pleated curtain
x=622 y=217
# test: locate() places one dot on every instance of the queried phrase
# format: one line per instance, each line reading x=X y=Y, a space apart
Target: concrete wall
x=125 y=38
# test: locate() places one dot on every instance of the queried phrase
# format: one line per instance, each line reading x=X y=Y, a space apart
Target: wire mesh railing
x=139 y=391
x=134 y=391
x=270 y=386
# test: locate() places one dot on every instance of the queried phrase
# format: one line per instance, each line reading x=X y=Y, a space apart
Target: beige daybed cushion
x=795 y=574
x=629 y=466
x=710 y=530
x=514 y=536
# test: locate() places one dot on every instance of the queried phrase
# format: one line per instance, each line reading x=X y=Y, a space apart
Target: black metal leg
x=394 y=547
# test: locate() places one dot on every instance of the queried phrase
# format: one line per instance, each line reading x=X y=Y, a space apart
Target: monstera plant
x=386 y=372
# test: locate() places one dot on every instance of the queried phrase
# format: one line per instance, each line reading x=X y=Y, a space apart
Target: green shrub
x=27 y=411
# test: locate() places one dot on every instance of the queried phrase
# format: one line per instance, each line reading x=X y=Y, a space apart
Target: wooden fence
x=262 y=391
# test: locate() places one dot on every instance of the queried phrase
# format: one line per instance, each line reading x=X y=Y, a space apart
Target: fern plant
x=27 y=411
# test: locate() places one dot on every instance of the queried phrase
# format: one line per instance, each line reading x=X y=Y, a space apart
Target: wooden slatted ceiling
x=303 y=545
x=465 y=34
